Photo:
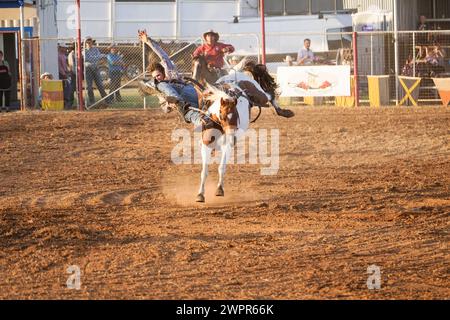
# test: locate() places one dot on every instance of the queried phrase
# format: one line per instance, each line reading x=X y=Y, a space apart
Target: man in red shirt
x=208 y=58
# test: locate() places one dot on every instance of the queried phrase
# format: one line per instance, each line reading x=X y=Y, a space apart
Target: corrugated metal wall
x=407 y=10
x=408 y=17
x=364 y=5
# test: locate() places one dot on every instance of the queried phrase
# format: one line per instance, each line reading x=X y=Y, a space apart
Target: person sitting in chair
x=209 y=58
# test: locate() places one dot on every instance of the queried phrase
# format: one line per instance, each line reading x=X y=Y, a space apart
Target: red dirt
x=99 y=190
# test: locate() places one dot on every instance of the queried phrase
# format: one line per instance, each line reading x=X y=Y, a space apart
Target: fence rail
x=112 y=80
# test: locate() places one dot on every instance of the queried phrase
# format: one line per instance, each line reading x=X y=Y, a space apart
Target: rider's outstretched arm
x=171 y=70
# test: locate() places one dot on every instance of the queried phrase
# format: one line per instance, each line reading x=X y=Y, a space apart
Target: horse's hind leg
x=209 y=141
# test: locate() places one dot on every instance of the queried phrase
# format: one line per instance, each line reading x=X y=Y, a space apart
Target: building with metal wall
x=408 y=10
x=437 y=11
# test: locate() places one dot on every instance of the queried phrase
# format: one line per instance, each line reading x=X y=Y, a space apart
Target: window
x=442 y=9
x=337 y=41
x=297 y=6
x=145 y=0
x=322 y=5
x=300 y=7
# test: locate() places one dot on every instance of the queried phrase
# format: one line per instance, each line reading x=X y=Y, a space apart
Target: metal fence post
x=83 y=72
x=371 y=54
x=263 y=32
x=144 y=71
x=79 y=60
x=23 y=62
x=414 y=54
x=355 y=67
x=396 y=51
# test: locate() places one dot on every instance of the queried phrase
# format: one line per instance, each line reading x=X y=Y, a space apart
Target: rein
x=259 y=114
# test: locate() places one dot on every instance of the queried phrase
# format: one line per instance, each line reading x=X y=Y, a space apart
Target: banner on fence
x=314 y=81
x=443 y=87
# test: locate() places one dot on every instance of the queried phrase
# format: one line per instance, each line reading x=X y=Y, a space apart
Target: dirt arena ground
x=99 y=190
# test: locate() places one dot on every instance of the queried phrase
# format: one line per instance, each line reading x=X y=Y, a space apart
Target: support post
x=80 y=74
x=263 y=31
x=355 y=67
x=396 y=50
x=23 y=65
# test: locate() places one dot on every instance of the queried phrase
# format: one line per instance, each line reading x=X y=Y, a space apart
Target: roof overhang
x=15 y=3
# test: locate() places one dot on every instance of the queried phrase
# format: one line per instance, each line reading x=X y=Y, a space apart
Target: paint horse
x=229 y=116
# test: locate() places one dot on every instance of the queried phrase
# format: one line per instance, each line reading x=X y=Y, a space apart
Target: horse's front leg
x=206 y=157
x=227 y=147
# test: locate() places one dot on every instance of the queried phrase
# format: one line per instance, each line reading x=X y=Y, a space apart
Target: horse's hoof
x=200 y=198
x=286 y=113
x=220 y=192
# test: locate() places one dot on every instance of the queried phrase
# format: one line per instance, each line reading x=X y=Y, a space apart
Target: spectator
x=435 y=58
x=289 y=61
x=92 y=57
x=3 y=62
x=305 y=55
x=435 y=55
x=344 y=57
x=5 y=82
x=234 y=61
x=423 y=38
x=64 y=75
x=208 y=58
x=236 y=64
x=422 y=68
x=72 y=66
x=422 y=26
x=430 y=61
x=408 y=68
x=115 y=67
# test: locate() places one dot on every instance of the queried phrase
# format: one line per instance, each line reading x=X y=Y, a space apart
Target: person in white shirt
x=305 y=55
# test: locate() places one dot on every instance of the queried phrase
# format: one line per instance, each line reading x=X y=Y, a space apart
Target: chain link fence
x=112 y=69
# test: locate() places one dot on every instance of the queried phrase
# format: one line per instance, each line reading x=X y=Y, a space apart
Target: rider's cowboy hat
x=211 y=32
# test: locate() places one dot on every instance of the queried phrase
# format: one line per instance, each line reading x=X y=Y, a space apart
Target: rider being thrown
x=173 y=91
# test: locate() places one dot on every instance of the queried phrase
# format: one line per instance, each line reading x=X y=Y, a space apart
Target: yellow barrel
x=52 y=95
x=378 y=90
x=350 y=100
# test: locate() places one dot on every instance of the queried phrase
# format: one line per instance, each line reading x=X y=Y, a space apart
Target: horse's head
x=227 y=115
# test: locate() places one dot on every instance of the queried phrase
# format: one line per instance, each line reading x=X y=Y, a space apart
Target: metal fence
x=111 y=82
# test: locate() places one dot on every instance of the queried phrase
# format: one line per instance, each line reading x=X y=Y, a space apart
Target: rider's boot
x=183 y=108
